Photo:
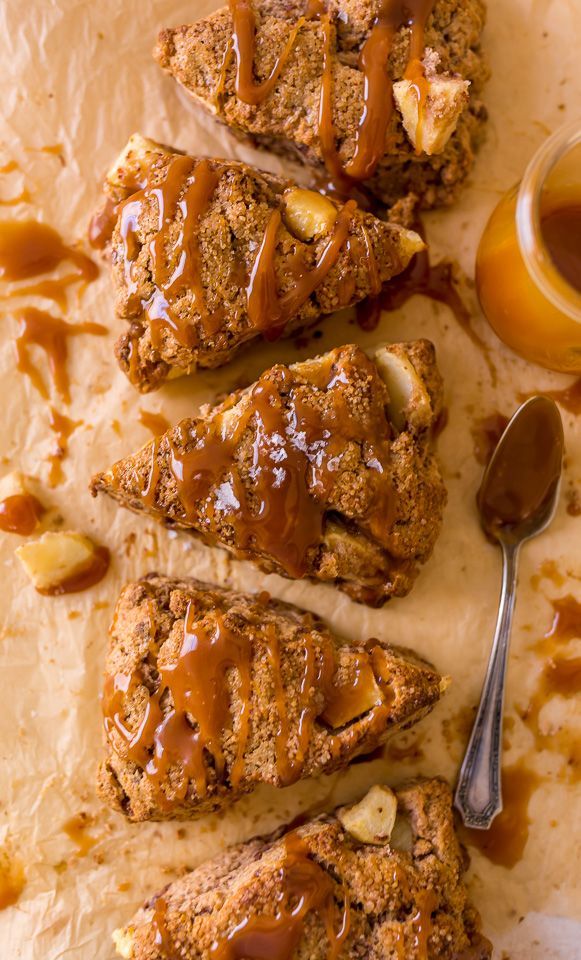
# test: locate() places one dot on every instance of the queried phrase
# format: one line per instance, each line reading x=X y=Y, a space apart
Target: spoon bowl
x=519 y=492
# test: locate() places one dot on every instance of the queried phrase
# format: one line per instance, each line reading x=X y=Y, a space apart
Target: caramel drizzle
x=293 y=469
x=370 y=140
x=243 y=44
x=190 y=734
x=317 y=675
x=169 y=285
x=269 y=312
x=305 y=888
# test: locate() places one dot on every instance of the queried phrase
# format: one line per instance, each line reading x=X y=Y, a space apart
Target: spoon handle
x=479 y=791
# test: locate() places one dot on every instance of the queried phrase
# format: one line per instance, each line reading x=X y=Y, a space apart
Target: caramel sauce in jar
x=528 y=266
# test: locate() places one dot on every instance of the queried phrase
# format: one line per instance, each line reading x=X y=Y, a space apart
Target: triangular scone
x=209 y=693
x=322 y=469
x=318 y=87
x=209 y=254
x=324 y=890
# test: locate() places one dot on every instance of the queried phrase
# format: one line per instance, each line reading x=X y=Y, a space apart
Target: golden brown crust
x=287 y=121
x=379 y=517
x=147 y=632
x=400 y=904
x=230 y=229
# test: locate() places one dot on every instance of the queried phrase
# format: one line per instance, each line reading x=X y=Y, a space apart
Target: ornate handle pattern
x=479 y=790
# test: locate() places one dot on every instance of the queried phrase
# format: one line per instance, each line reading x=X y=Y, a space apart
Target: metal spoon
x=517 y=500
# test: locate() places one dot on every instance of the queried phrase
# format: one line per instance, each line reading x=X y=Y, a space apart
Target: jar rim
x=532 y=244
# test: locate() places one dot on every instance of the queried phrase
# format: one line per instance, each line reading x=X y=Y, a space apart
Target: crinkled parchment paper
x=79 y=72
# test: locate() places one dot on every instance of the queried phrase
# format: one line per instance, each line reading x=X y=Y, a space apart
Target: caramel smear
x=12 y=879
x=486 y=432
x=29 y=248
x=435 y=281
x=505 y=842
x=154 y=422
x=374 y=122
x=560 y=677
x=76 y=829
x=49 y=333
x=63 y=428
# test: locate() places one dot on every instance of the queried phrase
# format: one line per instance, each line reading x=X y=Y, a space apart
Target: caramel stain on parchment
x=560 y=676
x=76 y=828
x=154 y=422
x=404 y=748
x=505 y=842
x=12 y=879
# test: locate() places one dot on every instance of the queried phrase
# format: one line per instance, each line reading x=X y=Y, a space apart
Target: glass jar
x=528 y=265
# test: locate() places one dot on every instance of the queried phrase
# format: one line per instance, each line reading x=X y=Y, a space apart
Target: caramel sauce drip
x=293 y=466
x=370 y=140
x=305 y=888
x=317 y=675
x=63 y=428
x=421 y=924
x=193 y=728
x=50 y=333
x=270 y=312
x=76 y=829
x=371 y=136
x=184 y=721
x=12 y=880
x=243 y=45
x=20 y=514
x=84 y=578
x=505 y=841
x=155 y=422
x=170 y=281
x=486 y=432
x=29 y=249
x=422 y=278
x=102 y=224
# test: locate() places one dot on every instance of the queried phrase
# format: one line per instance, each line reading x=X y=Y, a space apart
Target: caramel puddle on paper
x=569 y=398
x=560 y=676
x=76 y=829
x=30 y=251
x=12 y=879
x=62 y=427
x=155 y=422
x=486 y=432
x=504 y=843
